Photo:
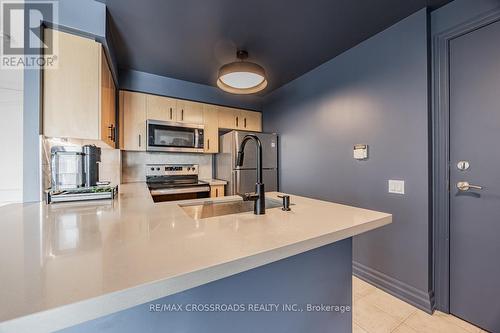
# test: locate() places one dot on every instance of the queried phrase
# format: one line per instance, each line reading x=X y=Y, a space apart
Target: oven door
x=175 y=137
x=185 y=193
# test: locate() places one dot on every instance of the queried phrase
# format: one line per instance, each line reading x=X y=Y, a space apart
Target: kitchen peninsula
x=76 y=263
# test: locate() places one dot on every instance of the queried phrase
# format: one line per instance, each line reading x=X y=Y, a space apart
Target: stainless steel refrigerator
x=242 y=179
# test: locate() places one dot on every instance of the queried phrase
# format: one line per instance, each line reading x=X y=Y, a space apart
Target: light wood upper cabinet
x=161 y=108
x=133 y=121
x=108 y=103
x=113 y=108
x=121 y=115
x=136 y=108
x=227 y=117
x=189 y=112
x=211 y=133
x=231 y=118
x=78 y=100
x=170 y=109
x=71 y=95
x=249 y=120
x=105 y=98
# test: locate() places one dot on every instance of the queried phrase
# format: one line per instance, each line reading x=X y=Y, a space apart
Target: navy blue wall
x=377 y=94
x=161 y=85
x=320 y=276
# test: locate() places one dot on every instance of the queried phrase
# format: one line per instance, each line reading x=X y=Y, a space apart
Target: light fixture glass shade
x=242 y=77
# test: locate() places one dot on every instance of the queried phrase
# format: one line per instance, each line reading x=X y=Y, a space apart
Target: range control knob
x=157 y=169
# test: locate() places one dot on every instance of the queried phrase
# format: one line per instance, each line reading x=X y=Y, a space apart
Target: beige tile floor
x=375 y=311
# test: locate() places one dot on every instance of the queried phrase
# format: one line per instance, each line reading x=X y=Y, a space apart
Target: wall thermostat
x=360 y=152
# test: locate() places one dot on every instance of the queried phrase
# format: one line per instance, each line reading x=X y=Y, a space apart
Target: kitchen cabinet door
x=112 y=114
x=79 y=93
x=189 y=112
x=227 y=117
x=231 y=118
x=107 y=103
x=216 y=191
x=120 y=121
x=133 y=123
x=161 y=108
x=71 y=90
x=250 y=121
x=211 y=133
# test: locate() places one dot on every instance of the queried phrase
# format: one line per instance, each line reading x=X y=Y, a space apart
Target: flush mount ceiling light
x=242 y=77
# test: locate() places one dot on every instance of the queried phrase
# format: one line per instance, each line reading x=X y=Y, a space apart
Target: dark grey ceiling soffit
x=190 y=39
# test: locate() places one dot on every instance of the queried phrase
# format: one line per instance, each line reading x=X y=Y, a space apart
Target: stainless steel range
x=170 y=182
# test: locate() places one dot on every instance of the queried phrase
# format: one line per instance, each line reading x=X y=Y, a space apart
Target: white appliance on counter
x=242 y=179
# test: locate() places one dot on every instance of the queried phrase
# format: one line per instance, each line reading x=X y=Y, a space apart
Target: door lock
x=463 y=165
x=465 y=186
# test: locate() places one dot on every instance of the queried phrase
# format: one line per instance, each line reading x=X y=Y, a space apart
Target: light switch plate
x=396 y=186
x=360 y=152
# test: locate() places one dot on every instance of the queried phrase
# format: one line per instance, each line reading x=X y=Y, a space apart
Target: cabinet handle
x=216 y=192
x=236 y=121
x=245 y=122
x=139 y=140
x=112 y=133
x=208 y=144
x=182 y=114
x=110 y=136
x=170 y=113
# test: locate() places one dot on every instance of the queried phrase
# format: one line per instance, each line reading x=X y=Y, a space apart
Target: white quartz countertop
x=67 y=263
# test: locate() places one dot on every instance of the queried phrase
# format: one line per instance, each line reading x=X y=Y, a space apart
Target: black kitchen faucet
x=259 y=195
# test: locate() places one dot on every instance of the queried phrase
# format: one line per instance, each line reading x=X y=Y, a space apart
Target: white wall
x=11 y=136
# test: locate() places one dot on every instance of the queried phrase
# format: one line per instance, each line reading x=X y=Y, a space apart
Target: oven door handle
x=194 y=189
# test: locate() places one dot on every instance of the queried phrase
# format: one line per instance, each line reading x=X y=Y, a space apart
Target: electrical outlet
x=396 y=186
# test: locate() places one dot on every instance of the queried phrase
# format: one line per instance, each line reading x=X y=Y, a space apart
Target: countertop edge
x=92 y=308
x=213 y=181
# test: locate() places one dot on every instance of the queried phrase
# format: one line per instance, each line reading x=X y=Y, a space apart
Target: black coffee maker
x=91 y=159
x=73 y=167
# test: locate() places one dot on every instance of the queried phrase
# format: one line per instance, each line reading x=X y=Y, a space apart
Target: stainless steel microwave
x=174 y=136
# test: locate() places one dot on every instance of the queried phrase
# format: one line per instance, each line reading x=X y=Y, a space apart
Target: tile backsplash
x=133 y=163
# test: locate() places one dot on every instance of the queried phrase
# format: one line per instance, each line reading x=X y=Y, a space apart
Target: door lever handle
x=465 y=186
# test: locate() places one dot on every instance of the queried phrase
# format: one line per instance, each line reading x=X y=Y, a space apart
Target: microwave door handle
x=196 y=138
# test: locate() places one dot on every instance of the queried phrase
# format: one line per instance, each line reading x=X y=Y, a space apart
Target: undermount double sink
x=211 y=209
